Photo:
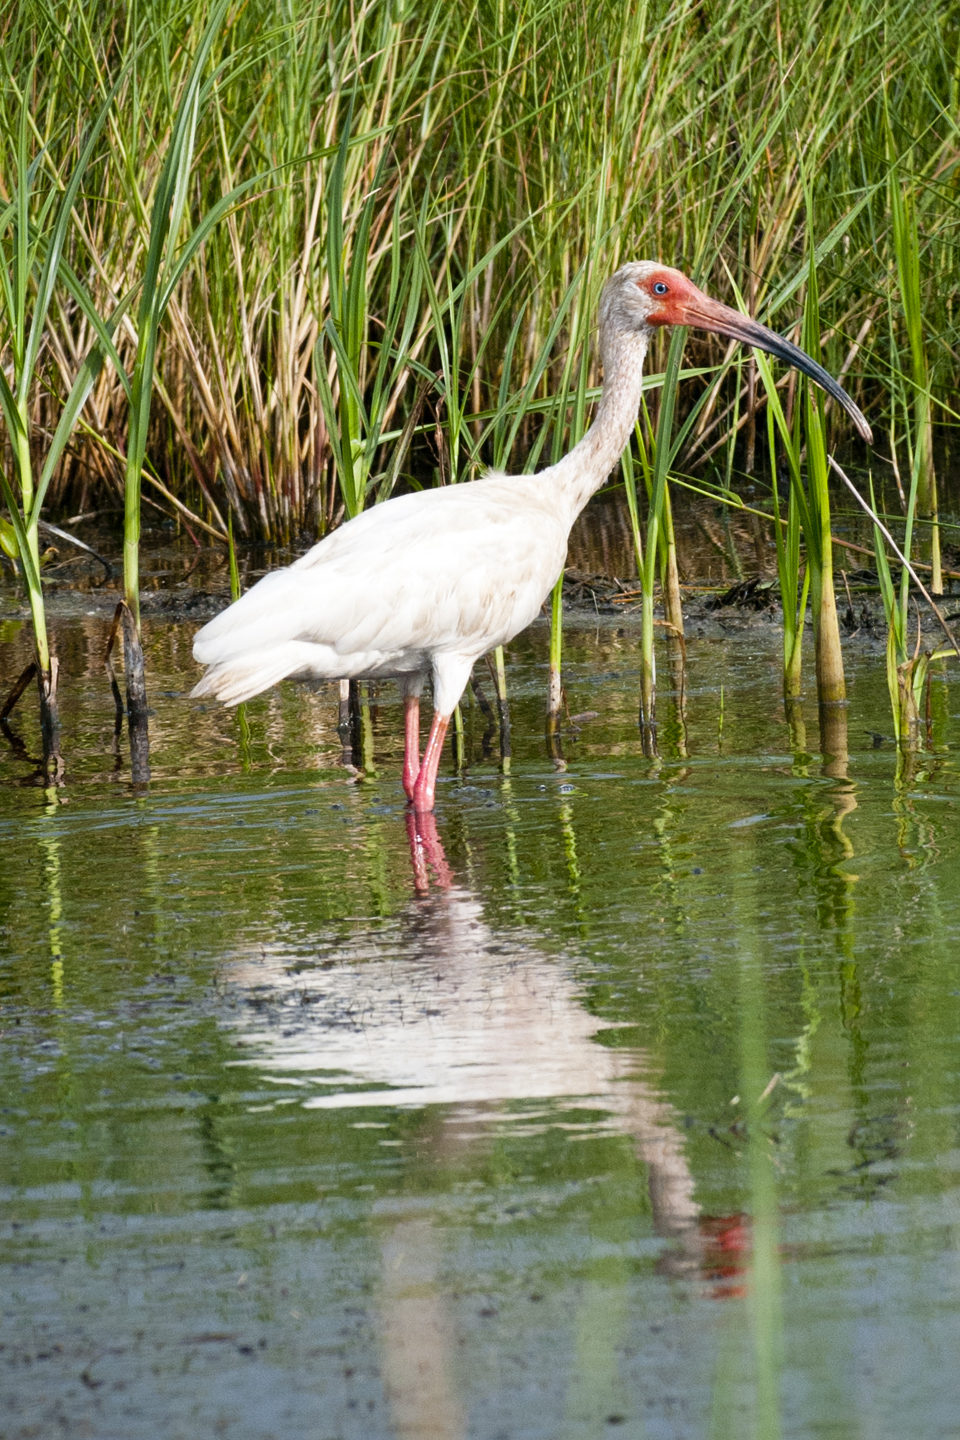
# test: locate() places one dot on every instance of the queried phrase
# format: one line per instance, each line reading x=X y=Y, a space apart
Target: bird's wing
x=439 y=570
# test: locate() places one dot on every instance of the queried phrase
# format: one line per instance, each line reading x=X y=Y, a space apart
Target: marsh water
x=625 y=1102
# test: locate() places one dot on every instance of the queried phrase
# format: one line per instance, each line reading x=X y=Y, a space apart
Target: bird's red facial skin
x=670 y=293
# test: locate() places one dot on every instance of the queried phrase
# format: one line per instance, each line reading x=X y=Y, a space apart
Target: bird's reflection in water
x=417 y=1330
x=444 y=1010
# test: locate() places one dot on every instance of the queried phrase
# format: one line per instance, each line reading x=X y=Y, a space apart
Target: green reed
x=908 y=265
x=794 y=579
x=332 y=252
x=809 y=518
x=445 y=175
x=566 y=433
x=34 y=227
x=657 y=536
x=906 y=673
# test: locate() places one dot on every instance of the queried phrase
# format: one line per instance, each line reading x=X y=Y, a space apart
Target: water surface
x=625 y=1104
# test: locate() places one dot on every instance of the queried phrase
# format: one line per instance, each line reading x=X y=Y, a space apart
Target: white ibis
x=426 y=584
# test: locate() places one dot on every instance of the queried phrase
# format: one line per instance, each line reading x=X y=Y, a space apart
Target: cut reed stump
x=52 y=763
x=138 y=726
x=498 y=674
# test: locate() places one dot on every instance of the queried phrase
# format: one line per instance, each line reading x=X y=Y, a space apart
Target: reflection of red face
x=726 y=1254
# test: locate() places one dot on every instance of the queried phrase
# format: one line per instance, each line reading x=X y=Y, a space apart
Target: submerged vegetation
x=296 y=257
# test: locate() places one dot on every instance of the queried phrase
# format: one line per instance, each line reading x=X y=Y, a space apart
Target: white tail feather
x=234 y=681
x=254 y=623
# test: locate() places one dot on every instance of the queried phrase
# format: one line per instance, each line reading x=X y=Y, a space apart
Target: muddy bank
x=749 y=605
x=727 y=559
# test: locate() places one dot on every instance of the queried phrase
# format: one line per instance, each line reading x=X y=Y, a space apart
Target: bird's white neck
x=581 y=473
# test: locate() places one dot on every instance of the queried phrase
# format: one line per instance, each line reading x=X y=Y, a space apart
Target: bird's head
x=644 y=296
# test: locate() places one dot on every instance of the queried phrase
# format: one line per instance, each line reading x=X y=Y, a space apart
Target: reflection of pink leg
x=426 y=850
x=727 y=1258
x=433 y=849
x=411 y=743
x=425 y=788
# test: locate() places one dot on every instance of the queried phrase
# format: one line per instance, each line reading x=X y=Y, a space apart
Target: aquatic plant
x=167 y=257
x=793 y=578
x=572 y=402
x=828 y=655
x=34 y=226
x=906 y=673
x=918 y=414
x=407 y=144
x=656 y=543
x=809 y=516
x=404 y=294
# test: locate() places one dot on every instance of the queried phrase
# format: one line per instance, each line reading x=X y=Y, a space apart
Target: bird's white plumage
x=427 y=581
x=430 y=582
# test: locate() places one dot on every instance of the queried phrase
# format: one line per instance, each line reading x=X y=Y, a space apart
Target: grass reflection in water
x=299 y=1138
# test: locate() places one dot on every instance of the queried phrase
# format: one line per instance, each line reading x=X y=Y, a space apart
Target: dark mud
x=749 y=606
x=727 y=562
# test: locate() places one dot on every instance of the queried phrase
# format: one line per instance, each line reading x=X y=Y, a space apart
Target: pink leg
x=426 y=849
x=411 y=743
x=423 y=791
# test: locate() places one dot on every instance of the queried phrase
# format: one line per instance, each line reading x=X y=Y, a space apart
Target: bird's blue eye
x=660 y=288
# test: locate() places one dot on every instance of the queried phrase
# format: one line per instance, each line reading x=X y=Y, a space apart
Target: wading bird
x=425 y=584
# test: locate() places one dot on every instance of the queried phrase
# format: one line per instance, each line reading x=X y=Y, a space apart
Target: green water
x=292 y=1150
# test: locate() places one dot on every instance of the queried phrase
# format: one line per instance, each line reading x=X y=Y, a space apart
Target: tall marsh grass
x=395 y=298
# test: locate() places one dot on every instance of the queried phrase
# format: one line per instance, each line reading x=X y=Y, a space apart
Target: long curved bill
x=707 y=314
